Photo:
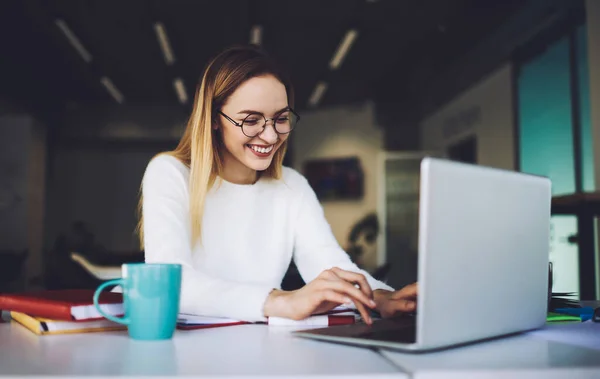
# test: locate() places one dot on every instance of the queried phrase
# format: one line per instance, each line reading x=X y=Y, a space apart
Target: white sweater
x=250 y=233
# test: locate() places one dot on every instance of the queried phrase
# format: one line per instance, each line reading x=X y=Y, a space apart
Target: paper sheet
x=187 y=319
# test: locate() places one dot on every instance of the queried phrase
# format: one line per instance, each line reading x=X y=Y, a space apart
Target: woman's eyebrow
x=249 y=111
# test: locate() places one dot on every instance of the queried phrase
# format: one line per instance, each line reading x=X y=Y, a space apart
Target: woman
x=223 y=206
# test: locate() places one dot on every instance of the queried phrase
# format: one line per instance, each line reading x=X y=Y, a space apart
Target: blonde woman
x=223 y=205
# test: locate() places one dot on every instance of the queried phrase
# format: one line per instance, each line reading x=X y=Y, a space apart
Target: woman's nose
x=269 y=134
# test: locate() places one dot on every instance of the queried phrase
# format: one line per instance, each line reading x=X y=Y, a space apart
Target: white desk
x=244 y=350
x=558 y=351
x=260 y=350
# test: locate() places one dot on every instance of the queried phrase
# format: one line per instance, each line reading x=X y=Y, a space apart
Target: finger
x=363 y=312
x=334 y=297
x=327 y=274
x=349 y=290
x=355 y=277
x=408 y=292
x=405 y=305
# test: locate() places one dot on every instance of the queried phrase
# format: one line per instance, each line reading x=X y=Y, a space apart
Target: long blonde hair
x=200 y=147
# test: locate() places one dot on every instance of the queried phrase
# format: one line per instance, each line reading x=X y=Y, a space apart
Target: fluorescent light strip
x=317 y=94
x=112 y=89
x=343 y=49
x=256 y=35
x=73 y=40
x=180 y=90
x=163 y=41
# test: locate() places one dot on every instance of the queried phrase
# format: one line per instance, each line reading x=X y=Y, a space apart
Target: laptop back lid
x=483 y=252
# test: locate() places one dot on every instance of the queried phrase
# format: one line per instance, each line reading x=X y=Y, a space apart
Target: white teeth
x=262 y=150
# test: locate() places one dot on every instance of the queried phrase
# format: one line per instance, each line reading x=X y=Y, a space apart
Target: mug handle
x=121 y=320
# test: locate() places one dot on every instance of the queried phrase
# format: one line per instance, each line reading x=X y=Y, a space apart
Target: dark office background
x=88 y=96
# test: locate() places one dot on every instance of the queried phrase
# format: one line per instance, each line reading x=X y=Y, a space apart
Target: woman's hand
x=391 y=303
x=330 y=289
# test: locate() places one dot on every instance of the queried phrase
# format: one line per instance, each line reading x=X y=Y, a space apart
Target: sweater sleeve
x=315 y=246
x=167 y=239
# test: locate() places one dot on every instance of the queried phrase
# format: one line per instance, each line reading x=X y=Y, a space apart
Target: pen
x=323 y=320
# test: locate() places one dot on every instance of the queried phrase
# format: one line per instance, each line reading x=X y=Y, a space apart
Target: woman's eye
x=252 y=121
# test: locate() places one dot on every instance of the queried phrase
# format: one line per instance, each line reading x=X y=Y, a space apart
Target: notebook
x=337 y=316
x=44 y=326
x=65 y=305
x=190 y=322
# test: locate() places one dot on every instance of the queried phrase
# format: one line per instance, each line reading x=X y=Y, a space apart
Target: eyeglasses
x=255 y=123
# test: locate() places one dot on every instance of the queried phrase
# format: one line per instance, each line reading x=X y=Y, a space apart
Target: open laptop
x=482 y=265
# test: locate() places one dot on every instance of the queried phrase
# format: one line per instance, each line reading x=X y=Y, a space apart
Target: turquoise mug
x=151 y=294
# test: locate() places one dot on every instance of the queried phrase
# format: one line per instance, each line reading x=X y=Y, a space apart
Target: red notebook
x=66 y=305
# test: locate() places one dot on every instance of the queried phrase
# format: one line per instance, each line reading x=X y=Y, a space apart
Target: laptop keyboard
x=400 y=329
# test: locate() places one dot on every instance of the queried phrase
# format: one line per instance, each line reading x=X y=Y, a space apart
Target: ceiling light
x=256 y=35
x=317 y=94
x=112 y=89
x=180 y=90
x=73 y=40
x=163 y=41
x=343 y=49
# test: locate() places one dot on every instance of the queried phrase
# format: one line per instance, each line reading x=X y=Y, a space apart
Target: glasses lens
x=285 y=121
x=253 y=124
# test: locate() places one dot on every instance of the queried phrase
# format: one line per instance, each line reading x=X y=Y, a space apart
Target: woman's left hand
x=391 y=303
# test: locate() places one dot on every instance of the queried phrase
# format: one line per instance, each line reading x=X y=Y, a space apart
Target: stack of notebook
x=73 y=311
x=62 y=311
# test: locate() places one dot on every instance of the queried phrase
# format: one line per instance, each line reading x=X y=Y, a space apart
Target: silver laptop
x=482 y=265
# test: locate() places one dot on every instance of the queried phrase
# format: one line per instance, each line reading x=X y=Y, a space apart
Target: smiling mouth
x=261 y=149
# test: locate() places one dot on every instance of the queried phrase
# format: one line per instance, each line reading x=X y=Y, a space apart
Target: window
x=555 y=136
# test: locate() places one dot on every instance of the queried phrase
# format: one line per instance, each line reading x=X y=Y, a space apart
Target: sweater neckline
x=225 y=183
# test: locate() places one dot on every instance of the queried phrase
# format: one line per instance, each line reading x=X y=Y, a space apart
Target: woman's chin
x=259 y=165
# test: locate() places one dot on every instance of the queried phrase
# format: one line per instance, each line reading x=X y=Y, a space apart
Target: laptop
x=484 y=239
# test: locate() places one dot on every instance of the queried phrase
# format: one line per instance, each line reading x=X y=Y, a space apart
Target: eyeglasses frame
x=240 y=125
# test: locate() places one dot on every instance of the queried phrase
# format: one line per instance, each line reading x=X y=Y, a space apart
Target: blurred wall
x=343 y=132
x=151 y=122
x=97 y=185
x=485 y=111
x=15 y=134
x=22 y=189
x=8 y=107
x=96 y=168
x=400 y=126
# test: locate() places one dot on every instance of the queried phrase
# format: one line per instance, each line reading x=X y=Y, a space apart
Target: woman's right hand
x=330 y=289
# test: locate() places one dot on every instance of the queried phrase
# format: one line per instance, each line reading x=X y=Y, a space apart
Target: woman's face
x=257 y=98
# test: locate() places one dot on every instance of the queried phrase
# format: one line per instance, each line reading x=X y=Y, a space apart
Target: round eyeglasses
x=254 y=123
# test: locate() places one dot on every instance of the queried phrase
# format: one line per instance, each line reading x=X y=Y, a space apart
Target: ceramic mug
x=151 y=293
